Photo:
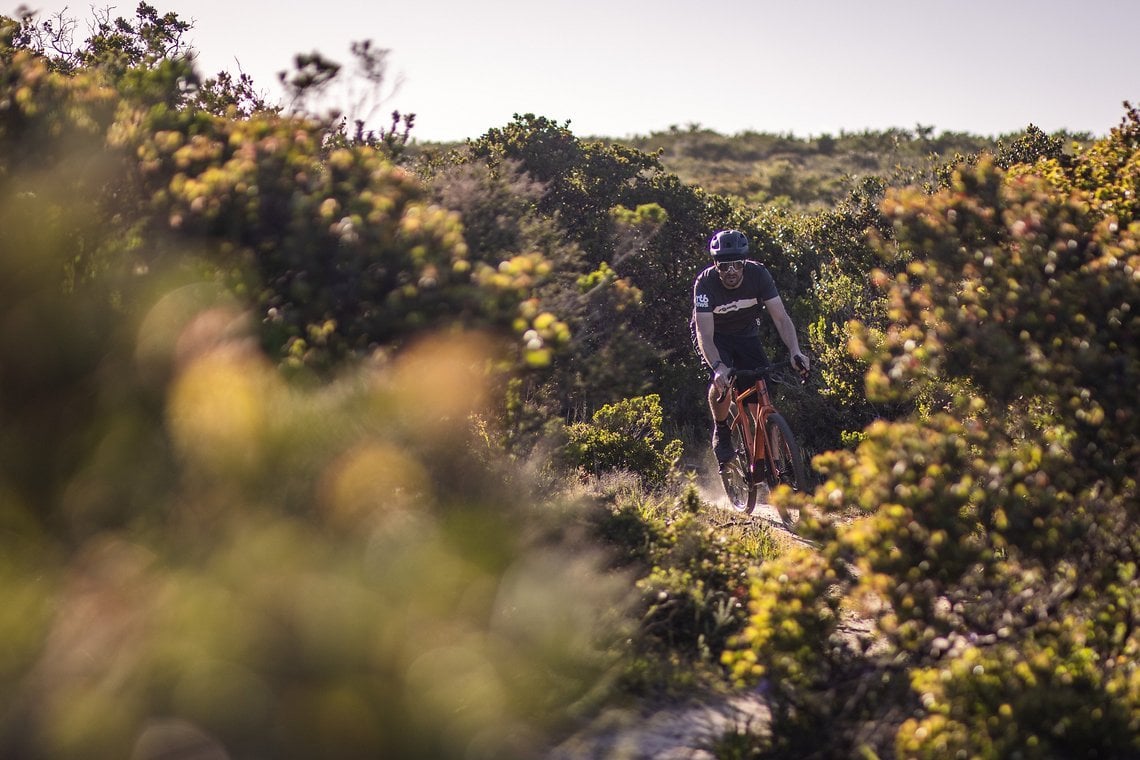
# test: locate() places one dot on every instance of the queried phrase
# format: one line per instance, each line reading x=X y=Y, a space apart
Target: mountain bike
x=765 y=451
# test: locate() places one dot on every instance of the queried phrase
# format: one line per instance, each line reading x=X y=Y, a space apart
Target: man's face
x=731 y=273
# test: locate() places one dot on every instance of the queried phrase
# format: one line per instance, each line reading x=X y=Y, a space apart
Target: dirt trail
x=689 y=730
x=682 y=731
x=678 y=732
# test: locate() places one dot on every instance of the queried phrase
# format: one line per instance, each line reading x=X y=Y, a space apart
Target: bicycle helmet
x=728 y=245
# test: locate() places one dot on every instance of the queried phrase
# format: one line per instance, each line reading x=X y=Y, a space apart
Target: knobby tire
x=734 y=474
x=789 y=462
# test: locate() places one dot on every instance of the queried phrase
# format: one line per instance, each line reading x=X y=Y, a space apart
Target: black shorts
x=741 y=351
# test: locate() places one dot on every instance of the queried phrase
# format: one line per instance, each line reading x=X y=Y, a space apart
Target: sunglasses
x=729 y=266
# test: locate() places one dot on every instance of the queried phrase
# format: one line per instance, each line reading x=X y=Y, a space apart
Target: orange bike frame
x=755 y=406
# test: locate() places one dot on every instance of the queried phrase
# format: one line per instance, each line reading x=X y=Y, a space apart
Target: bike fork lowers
x=758 y=447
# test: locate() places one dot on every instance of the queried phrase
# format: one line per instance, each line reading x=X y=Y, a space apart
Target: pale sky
x=617 y=68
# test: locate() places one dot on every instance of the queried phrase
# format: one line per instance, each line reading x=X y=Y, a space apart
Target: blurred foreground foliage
x=201 y=552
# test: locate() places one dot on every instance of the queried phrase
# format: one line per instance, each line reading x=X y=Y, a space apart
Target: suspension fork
x=754 y=406
x=760 y=455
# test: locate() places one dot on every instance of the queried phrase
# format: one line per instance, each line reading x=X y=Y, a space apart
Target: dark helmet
x=728 y=245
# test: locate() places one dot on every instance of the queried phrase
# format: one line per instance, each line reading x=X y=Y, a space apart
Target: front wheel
x=789 y=464
x=734 y=473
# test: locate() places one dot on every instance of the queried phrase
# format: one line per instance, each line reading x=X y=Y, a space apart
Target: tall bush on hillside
x=994 y=559
x=582 y=180
x=642 y=235
x=119 y=47
x=339 y=250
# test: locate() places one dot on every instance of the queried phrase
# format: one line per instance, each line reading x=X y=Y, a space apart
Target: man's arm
x=787 y=331
x=705 y=331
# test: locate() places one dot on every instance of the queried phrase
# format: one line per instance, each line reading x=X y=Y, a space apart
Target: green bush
x=625 y=436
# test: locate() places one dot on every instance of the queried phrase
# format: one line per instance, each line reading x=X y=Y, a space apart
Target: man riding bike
x=727 y=300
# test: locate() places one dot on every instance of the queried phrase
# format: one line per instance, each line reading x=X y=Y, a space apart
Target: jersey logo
x=744 y=303
x=702 y=301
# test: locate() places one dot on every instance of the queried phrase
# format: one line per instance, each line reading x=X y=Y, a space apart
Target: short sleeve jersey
x=736 y=311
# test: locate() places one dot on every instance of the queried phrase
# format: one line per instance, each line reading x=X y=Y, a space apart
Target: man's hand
x=802 y=365
x=721 y=376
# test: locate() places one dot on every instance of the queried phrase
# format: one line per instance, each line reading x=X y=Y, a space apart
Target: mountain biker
x=727 y=300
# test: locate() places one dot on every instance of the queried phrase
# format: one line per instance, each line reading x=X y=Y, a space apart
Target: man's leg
x=718 y=404
x=722 y=435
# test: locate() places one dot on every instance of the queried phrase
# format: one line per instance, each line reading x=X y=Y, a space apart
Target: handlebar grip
x=801 y=368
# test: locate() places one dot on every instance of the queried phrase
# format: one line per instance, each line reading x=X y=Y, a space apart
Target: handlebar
x=750 y=376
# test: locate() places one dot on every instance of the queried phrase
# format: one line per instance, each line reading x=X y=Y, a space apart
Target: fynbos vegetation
x=317 y=442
